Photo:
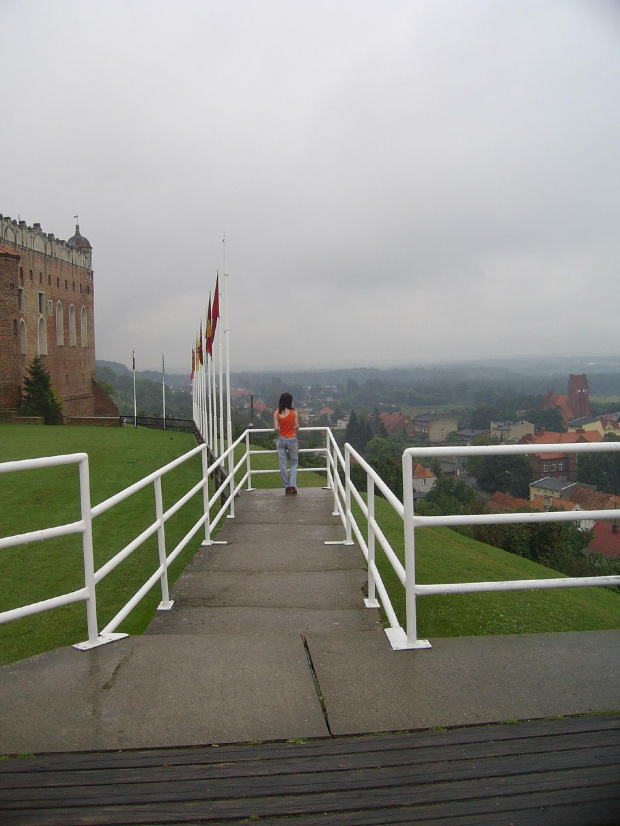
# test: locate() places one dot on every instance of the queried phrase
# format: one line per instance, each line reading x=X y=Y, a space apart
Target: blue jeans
x=288 y=448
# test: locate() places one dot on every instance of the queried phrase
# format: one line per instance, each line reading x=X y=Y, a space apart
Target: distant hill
x=172 y=379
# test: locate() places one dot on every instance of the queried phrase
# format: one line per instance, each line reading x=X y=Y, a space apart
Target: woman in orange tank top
x=286 y=425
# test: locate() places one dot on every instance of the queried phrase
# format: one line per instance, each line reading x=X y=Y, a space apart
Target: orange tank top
x=287 y=424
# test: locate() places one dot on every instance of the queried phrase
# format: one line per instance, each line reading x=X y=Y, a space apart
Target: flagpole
x=163 y=389
x=222 y=442
x=135 y=409
x=203 y=383
x=231 y=459
x=209 y=349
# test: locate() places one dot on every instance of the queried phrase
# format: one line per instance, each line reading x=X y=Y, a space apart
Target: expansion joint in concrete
x=317 y=685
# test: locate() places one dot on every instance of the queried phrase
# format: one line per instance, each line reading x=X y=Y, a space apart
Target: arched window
x=60 y=325
x=84 y=328
x=42 y=342
x=23 y=338
x=72 y=336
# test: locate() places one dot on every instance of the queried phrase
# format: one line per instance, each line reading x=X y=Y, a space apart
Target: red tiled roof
x=550 y=437
x=421 y=472
x=592 y=500
x=605 y=541
x=394 y=422
x=505 y=503
x=540 y=502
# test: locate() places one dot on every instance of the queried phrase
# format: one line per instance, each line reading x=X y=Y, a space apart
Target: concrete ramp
x=269 y=639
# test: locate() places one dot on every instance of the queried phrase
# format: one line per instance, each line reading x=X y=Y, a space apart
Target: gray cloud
x=398 y=182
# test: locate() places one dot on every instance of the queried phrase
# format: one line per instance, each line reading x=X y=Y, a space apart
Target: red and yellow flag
x=216 y=307
x=209 y=335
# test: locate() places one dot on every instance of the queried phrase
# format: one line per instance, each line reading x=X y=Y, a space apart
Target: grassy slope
x=120 y=457
x=31 y=500
x=445 y=556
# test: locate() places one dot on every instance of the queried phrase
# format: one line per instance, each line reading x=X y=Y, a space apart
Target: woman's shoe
x=293 y=491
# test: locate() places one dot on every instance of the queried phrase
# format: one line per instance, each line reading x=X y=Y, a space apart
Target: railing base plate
x=398 y=640
x=102 y=639
x=165 y=606
x=339 y=542
x=371 y=603
x=214 y=542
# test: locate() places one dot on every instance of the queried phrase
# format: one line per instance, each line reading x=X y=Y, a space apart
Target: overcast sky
x=399 y=181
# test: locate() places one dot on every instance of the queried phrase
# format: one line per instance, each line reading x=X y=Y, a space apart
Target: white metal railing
x=225 y=485
x=345 y=492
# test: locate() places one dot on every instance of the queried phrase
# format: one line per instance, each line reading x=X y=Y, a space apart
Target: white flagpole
x=216 y=451
x=222 y=443
x=231 y=458
x=163 y=389
x=209 y=439
x=135 y=409
x=203 y=384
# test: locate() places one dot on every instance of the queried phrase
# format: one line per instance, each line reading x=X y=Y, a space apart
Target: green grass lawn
x=444 y=556
x=31 y=500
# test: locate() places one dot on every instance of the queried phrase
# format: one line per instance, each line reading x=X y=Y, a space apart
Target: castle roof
x=78 y=240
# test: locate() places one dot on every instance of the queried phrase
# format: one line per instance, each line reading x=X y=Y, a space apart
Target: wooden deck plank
x=393 y=789
x=456 y=802
x=305 y=783
x=325 y=746
x=563 y=769
x=600 y=806
x=309 y=764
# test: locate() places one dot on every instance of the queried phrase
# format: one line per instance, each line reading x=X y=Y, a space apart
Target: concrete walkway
x=232 y=661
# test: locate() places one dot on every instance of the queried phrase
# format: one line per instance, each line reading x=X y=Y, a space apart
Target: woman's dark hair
x=286 y=400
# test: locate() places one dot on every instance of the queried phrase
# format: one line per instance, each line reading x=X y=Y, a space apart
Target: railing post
x=205 y=493
x=248 y=459
x=329 y=477
x=371 y=601
x=333 y=472
x=165 y=604
x=347 y=495
x=411 y=640
x=87 y=548
x=231 y=474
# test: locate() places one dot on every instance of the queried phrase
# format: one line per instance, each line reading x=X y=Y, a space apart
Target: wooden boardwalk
x=563 y=772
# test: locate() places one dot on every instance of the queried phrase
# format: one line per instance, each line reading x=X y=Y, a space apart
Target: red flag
x=209 y=334
x=200 y=353
x=193 y=364
x=216 y=307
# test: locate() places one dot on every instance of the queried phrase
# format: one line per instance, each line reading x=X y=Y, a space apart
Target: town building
x=511 y=432
x=435 y=427
x=557 y=465
x=573 y=405
x=47 y=309
x=424 y=480
x=586 y=423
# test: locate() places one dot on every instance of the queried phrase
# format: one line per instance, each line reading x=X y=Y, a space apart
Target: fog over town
x=402 y=182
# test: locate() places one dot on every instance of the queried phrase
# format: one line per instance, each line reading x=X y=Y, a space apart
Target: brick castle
x=47 y=309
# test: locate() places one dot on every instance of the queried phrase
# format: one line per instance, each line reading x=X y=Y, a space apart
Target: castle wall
x=50 y=290
x=11 y=360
